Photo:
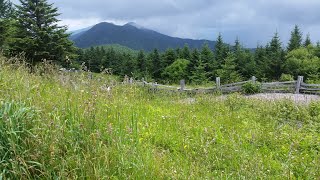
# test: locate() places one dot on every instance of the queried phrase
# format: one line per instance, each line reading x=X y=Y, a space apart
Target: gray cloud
x=253 y=21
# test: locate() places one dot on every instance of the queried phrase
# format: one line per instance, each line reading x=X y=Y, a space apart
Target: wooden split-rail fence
x=296 y=87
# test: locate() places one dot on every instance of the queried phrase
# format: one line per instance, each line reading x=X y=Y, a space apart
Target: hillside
x=119 y=49
x=67 y=125
x=132 y=36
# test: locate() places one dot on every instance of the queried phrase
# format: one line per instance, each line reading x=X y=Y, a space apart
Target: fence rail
x=297 y=87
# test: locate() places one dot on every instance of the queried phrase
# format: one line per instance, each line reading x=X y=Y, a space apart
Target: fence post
x=298 y=85
x=218 y=83
x=253 y=79
x=182 y=85
x=155 y=86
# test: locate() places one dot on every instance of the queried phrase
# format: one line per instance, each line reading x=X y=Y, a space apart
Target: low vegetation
x=67 y=125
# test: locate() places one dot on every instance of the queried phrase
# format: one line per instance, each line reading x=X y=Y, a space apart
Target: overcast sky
x=253 y=21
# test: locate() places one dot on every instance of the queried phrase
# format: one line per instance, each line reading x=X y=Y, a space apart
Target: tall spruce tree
x=307 y=42
x=221 y=51
x=228 y=73
x=245 y=64
x=142 y=65
x=156 y=64
x=276 y=57
x=198 y=74
x=195 y=56
x=207 y=58
x=262 y=62
x=6 y=11
x=37 y=34
x=295 y=41
x=168 y=58
x=185 y=54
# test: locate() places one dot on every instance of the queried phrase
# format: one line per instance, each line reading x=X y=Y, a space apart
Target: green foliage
x=228 y=72
x=83 y=131
x=156 y=68
x=302 y=62
x=295 y=41
x=276 y=57
x=221 y=51
x=176 y=71
x=286 y=77
x=251 y=88
x=6 y=12
x=244 y=60
x=16 y=141
x=37 y=34
x=307 y=42
x=207 y=58
x=186 y=53
x=199 y=75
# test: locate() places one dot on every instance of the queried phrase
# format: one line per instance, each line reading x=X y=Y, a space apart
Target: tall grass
x=68 y=126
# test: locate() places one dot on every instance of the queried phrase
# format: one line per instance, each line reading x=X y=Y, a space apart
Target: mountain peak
x=133 y=36
x=134 y=25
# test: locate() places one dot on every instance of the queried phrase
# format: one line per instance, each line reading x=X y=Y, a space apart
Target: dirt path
x=297 y=98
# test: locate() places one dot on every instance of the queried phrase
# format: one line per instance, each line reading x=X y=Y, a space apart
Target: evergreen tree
x=168 y=58
x=262 y=62
x=195 y=57
x=156 y=64
x=295 y=41
x=142 y=64
x=6 y=12
x=207 y=58
x=199 y=75
x=38 y=35
x=244 y=60
x=129 y=64
x=237 y=46
x=307 y=42
x=185 y=53
x=228 y=72
x=221 y=51
x=276 y=57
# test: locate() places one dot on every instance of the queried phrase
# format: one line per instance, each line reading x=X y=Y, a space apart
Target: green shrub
x=251 y=88
x=286 y=77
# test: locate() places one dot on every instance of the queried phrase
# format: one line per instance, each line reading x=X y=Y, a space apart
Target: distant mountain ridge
x=133 y=36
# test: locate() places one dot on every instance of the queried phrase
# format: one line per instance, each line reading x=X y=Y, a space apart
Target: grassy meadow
x=58 y=125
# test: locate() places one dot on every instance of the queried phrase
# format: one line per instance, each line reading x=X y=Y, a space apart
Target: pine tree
x=195 y=57
x=221 y=51
x=228 y=72
x=168 y=58
x=156 y=64
x=262 y=62
x=237 y=46
x=307 y=42
x=186 y=52
x=142 y=65
x=207 y=58
x=244 y=60
x=6 y=12
x=295 y=41
x=276 y=57
x=38 y=35
x=199 y=75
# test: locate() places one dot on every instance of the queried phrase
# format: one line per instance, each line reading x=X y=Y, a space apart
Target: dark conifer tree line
x=231 y=63
x=31 y=29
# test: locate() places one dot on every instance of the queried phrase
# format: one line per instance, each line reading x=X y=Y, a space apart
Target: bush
x=286 y=77
x=251 y=88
